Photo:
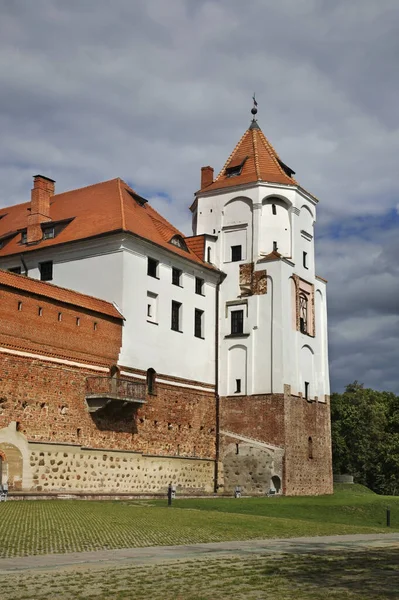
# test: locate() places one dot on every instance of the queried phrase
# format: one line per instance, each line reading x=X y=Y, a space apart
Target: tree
x=365 y=435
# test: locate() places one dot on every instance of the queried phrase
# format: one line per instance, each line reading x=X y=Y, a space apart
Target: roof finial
x=254 y=110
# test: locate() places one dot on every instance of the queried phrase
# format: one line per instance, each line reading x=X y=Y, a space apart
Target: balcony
x=105 y=391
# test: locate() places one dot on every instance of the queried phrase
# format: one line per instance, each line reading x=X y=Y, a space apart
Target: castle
x=132 y=356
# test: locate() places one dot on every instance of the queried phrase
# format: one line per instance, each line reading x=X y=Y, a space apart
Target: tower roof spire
x=253 y=159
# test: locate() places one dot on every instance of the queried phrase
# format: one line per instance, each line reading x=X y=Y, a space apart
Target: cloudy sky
x=151 y=90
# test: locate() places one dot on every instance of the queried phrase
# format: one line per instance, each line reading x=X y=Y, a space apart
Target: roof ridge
x=122 y=204
x=85 y=187
x=256 y=155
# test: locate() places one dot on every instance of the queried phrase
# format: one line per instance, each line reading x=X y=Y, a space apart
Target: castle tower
x=273 y=379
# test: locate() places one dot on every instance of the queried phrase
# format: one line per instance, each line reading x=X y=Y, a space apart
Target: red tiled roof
x=54 y=292
x=95 y=210
x=196 y=243
x=260 y=163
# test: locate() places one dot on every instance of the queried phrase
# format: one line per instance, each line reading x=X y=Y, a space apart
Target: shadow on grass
x=371 y=574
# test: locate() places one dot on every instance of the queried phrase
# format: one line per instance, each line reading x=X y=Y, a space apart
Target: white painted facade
x=115 y=269
x=270 y=352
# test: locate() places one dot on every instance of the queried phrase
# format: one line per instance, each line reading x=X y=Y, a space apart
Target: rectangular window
x=24 y=237
x=15 y=270
x=305 y=260
x=152 y=267
x=236 y=253
x=152 y=306
x=176 y=316
x=274 y=246
x=237 y=321
x=48 y=233
x=306 y=390
x=176 y=276
x=46 y=270
x=238 y=387
x=199 y=286
x=198 y=323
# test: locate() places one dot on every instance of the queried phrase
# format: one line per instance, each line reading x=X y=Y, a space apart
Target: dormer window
x=24 y=237
x=48 y=233
x=178 y=241
x=235 y=167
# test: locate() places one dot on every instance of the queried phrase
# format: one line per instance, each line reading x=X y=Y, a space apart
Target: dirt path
x=160 y=554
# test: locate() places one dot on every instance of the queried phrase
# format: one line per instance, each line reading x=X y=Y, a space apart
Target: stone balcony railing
x=101 y=391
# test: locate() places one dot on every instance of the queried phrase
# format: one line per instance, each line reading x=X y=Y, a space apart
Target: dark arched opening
x=151 y=381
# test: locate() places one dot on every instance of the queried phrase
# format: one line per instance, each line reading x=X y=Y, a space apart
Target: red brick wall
x=25 y=330
x=288 y=422
x=48 y=402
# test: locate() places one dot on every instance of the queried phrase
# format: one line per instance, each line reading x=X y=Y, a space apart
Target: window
x=305 y=260
x=238 y=387
x=237 y=321
x=176 y=315
x=198 y=323
x=16 y=270
x=176 y=276
x=236 y=253
x=24 y=237
x=95 y=326
x=46 y=270
x=152 y=305
x=275 y=247
x=208 y=254
x=303 y=313
x=152 y=267
x=307 y=386
x=199 y=286
x=77 y=321
x=60 y=316
x=20 y=305
x=151 y=374
x=40 y=311
x=48 y=233
x=274 y=209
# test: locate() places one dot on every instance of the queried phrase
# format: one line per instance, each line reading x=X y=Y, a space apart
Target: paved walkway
x=159 y=554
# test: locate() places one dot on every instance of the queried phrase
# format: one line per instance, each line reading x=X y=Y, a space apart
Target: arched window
x=274 y=209
x=151 y=387
x=303 y=313
x=310 y=447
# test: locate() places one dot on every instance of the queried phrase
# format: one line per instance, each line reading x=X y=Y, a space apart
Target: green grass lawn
x=42 y=527
x=350 y=505
x=370 y=575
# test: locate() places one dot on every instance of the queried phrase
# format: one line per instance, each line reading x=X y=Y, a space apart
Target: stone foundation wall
x=71 y=469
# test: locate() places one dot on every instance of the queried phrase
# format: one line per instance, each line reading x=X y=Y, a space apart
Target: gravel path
x=160 y=554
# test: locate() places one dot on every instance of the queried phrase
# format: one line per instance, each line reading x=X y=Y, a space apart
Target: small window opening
x=19 y=305
x=236 y=253
x=275 y=247
x=307 y=385
x=176 y=276
x=48 y=233
x=78 y=321
x=176 y=315
x=24 y=237
x=18 y=425
x=310 y=447
x=237 y=449
x=40 y=311
x=149 y=310
x=199 y=286
x=305 y=260
x=151 y=374
x=60 y=316
x=303 y=314
x=152 y=267
x=178 y=449
x=78 y=432
x=95 y=325
x=238 y=386
x=208 y=255
x=274 y=209
x=46 y=270
x=198 y=323
x=237 y=321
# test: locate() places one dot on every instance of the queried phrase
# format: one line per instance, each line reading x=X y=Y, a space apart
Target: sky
x=151 y=90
